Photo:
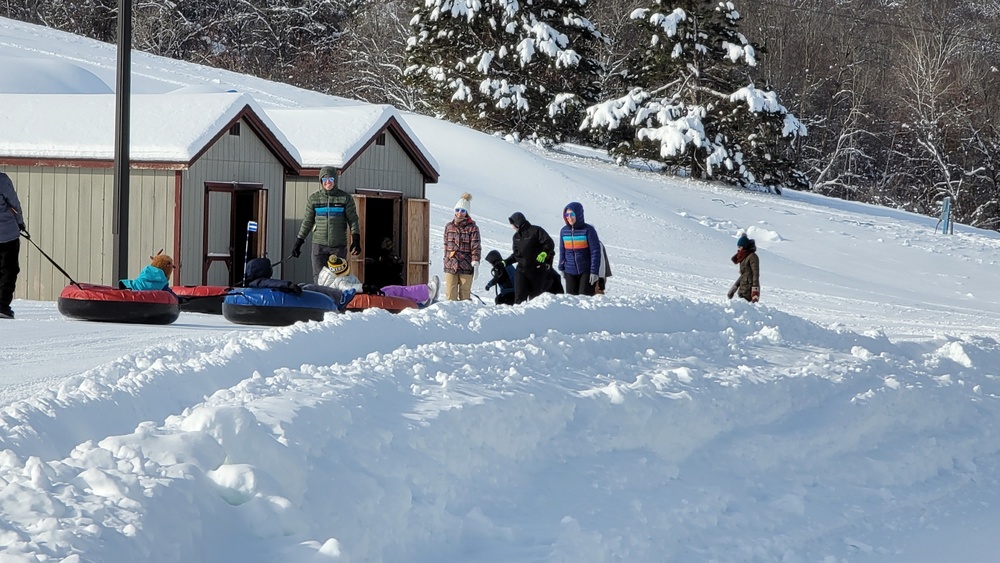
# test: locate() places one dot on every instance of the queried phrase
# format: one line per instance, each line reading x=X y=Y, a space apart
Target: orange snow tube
x=364 y=301
x=201 y=298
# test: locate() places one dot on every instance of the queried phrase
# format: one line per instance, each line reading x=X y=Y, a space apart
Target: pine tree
x=691 y=103
x=519 y=67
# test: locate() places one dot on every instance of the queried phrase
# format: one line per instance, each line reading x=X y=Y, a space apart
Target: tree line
x=890 y=103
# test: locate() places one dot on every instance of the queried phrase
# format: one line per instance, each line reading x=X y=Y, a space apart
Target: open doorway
x=228 y=240
x=381 y=220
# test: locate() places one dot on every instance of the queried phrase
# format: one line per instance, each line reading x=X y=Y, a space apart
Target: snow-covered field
x=849 y=416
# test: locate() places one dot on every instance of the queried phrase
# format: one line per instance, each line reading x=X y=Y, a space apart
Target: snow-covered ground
x=849 y=416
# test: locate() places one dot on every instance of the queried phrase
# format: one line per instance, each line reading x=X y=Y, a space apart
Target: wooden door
x=416 y=233
x=358 y=262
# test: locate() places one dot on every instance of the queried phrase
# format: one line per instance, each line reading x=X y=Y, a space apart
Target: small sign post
x=251 y=228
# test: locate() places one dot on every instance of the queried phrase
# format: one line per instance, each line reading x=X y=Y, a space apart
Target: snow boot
x=432 y=291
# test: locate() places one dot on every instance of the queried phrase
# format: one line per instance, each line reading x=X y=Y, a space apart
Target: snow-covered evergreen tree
x=691 y=103
x=515 y=66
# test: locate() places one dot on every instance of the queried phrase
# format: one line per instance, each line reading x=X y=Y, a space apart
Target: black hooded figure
x=533 y=254
x=503 y=276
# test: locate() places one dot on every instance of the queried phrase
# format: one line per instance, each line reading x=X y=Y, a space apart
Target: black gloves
x=297 y=249
x=355 y=244
x=24 y=231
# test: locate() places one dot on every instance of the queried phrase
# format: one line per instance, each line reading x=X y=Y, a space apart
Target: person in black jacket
x=533 y=252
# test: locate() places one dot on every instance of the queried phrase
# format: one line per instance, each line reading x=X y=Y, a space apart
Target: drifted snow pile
x=624 y=429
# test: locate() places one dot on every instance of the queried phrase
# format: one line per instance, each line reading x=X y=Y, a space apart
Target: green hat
x=328 y=171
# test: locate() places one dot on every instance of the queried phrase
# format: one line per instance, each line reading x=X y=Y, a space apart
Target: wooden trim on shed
x=393 y=126
x=90 y=163
x=261 y=130
x=178 y=200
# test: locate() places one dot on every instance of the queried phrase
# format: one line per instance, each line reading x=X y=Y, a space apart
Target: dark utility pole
x=123 y=91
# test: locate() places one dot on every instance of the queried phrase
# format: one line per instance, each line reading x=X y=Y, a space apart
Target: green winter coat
x=328 y=215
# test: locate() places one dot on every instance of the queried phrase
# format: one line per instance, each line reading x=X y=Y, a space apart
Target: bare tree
x=372 y=55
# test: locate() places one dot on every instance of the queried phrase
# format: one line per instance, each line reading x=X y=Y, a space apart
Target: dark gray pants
x=320 y=254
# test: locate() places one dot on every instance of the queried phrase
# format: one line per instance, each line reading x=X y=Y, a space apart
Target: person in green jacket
x=329 y=213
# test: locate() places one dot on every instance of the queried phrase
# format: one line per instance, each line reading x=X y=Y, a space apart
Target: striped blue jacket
x=579 y=245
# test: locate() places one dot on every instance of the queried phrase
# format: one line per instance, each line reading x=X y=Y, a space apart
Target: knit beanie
x=163 y=262
x=743 y=241
x=338 y=265
x=465 y=202
x=330 y=171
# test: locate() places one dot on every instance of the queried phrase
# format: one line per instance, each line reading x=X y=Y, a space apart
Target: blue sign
x=252 y=227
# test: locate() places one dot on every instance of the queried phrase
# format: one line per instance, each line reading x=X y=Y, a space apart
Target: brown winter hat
x=163 y=262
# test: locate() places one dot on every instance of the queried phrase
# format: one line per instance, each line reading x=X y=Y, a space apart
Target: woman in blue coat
x=579 y=252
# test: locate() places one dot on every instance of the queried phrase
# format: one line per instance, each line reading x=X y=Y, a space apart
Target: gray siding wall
x=385 y=167
x=69 y=215
x=297 y=190
x=242 y=158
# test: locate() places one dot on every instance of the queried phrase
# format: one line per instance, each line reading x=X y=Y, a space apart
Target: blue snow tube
x=270 y=307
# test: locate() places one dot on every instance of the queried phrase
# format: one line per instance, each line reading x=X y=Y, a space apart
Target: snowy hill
x=849 y=416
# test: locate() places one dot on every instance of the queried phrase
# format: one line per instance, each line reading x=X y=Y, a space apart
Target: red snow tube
x=392 y=304
x=101 y=303
x=201 y=298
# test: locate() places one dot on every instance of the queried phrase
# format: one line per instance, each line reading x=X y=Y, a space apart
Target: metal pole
x=123 y=91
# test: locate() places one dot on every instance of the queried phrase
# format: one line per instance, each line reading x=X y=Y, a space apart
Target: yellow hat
x=338 y=265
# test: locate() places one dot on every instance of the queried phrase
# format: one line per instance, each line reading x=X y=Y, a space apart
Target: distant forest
x=900 y=98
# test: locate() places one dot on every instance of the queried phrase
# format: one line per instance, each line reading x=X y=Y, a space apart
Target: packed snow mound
x=441 y=445
x=48 y=76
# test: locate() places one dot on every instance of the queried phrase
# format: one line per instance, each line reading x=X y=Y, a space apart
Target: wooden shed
x=384 y=166
x=202 y=166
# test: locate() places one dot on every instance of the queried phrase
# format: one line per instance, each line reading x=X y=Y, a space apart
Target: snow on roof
x=164 y=127
x=38 y=75
x=177 y=106
x=332 y=136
